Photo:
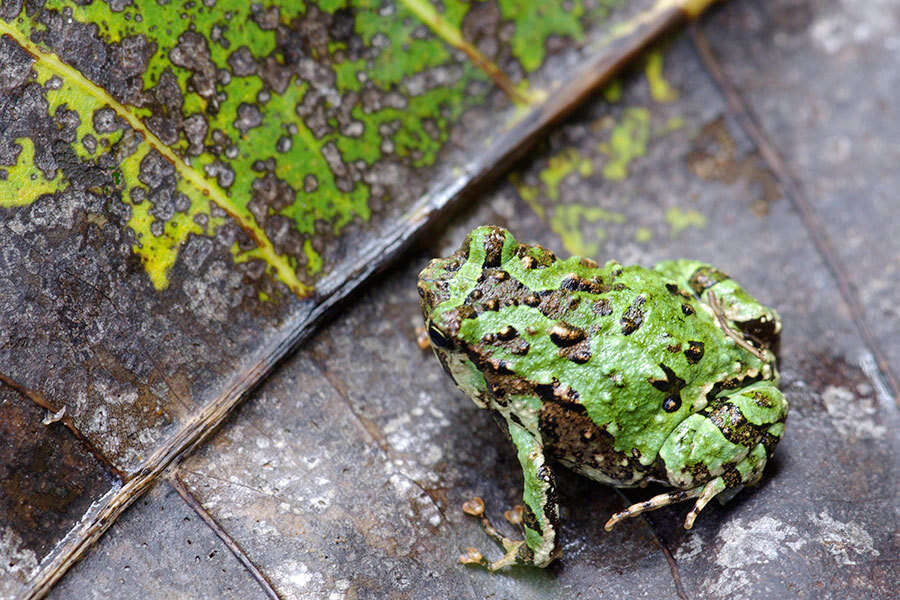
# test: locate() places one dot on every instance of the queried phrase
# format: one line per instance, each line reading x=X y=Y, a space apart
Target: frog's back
x=624 y=347
x=620 y=354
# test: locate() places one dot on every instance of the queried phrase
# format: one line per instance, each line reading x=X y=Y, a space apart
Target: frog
x=627 y=375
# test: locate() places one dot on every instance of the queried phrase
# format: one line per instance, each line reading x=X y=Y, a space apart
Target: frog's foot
x=655 y=503
x=516 y=550
x=747 y=471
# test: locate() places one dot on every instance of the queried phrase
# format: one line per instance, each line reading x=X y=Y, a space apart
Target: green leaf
x=270 y=121
x=239 y=109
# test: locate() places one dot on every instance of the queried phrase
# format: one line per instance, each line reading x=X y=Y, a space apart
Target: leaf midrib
x=267 y=251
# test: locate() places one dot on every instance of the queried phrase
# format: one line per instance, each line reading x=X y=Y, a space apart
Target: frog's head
x=445 y=284
x=446 y=287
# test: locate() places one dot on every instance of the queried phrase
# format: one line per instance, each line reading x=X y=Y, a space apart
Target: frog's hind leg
x=725 y=447
x=660 y=501
x=758 y=326
x=752 y=464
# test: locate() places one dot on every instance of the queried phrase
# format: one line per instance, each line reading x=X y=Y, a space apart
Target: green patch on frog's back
x=638 y=352
x=632 y=393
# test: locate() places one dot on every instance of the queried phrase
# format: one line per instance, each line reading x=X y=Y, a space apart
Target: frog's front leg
x=540 y=516
x=724 y=447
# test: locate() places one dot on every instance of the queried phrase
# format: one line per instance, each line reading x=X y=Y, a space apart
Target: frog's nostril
x=437 y=337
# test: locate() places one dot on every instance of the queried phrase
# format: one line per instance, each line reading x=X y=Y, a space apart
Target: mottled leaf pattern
x=272 y=124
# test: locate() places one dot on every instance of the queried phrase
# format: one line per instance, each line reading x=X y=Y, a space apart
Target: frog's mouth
x=442 y=358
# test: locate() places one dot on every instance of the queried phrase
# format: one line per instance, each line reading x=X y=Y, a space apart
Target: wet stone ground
x=343 y=474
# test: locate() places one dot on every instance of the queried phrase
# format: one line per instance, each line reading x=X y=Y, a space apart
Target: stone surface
x=185 y=187
x=159 y=549
x=685 y=181
x=825 y=95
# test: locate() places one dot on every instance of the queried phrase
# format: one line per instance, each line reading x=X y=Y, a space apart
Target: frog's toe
x=516 y=551
x=516 y=554
x=515 y=515
x=475 y=508
x=471 y=556
x=709 y=491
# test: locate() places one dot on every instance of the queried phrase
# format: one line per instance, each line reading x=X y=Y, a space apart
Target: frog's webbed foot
x=516 y=550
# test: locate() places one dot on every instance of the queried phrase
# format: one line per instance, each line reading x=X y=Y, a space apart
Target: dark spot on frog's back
x=694 y=352
x=602 y=307
x=577 y=283
x=672 y=384
x=578 y=354
x=520 y=347
x=500 y=366
x=493 y=247
x=562 y=334
x=672 y=403
x=559 y=393
x=704 y=278
x=677 y=291
x=634 y=316
x=506 y=333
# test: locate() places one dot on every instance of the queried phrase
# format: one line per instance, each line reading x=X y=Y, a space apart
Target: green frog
x=623 y=374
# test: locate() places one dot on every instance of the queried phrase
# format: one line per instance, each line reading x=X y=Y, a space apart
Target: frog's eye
x=438 y=338
x=421 y=290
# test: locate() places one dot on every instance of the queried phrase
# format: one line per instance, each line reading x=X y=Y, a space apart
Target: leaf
x=194 y=116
